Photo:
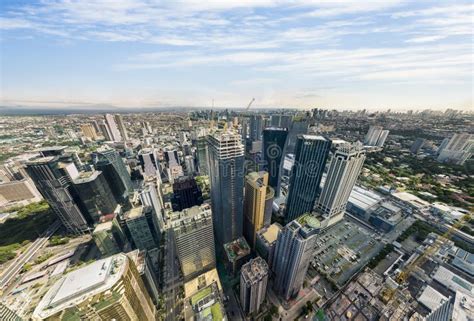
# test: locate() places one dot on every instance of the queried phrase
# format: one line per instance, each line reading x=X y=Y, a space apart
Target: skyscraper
x=283 y=121
x=194 y=238
x=202 y=156
x=226 y=168
x=113 y=129
x=274 y=140
x=107 y=289
x=141 y=228
x=94 y=195
x=372 y=135
x=148 y=161
x=54 y=183
x=104 y=129
x=417 y=145
x=310 y=159
x=89 y=131
x=186 y=193
x=254 y=204
x=253 y=285
x=121 y=126
x=256 y=127
x=151 y=196
x=112 y=166
x=459 y=149
x=299 y=126
x=346 y=165
x=293 y=253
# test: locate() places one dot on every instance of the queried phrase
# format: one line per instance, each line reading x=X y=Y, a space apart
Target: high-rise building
x=107 y=289
x=346 y=165
x=121 y=126
x=310 y=159
x=89 y=131
x=202 y=156
x=254 y=204
x=151 y=196
x=293 y=253
x=458 y=149
x=7 y=314
x=194 y=238
x=382 y=138
x=189 y=164
x=115 y=172
x=372 y=135
x=256 y=127
x=186 y=193
x=52 y=179
x=142 y=228
x=109 y=237
x=104 y=129
x=226 y=169
x=417 y=145
x=113 y=129
x=269 y=197
x=253 y=285
x=283 y=121
x=299 y=126
x=274 y=140
x=93 y=195
x=148 y=161
x=266 y=241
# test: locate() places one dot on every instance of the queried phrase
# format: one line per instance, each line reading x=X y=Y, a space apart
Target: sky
x=301 y=54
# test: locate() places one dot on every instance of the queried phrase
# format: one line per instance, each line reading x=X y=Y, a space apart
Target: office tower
x=346 y=165
x=141 y=227
x=226 y=169
x=115 y=172
x=109 y=237
x=417 y=145
x=266 y=241
x=459 y=149
x=372 y=135
x=94 y=196
x=148 y=161
x=254 y=204
x=104 y=129
x=107 y=289
x=202 y=156
x=293 y=253
x=256 y=127
x=443 y=145
x=299 y=126
x=121 y=127
x=282 y=121
x=444 y=312
x=382 y=138
x=274 y=140
x=189 y=163
x=194 y=238
x=52 y=180
x=113 y=129
x=89 y=131
x=171 y=157
x=186 y=193
x=310 y=160
x=269 y=197
x=151 y=196
x=253 y=285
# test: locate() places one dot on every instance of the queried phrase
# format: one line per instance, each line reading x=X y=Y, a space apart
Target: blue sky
x=335 y=54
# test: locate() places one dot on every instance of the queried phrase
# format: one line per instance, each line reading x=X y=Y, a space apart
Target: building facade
x=253 y=285
x=274 y=140
x=254 y=204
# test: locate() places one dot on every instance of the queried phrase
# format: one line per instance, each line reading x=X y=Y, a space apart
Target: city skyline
x=345 y=55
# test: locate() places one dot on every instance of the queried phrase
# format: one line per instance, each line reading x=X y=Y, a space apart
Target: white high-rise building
x=113 y=129
x=458 y=149
x=345 y=167
x=376 y=136
x=121 y=126
x=382 y=138
x=151 y=196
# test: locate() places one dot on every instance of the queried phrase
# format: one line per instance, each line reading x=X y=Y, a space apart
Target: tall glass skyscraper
x=256 y=127
x=310 y=159
x=52 y=180
x=226 y=169
x=293 y=252
x=274 y=139
x=346 y=165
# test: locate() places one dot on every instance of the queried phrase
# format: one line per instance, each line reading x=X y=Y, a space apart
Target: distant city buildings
x=458 y=149
x=376 y=136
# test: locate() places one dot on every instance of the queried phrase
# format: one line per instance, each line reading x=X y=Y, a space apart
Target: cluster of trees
x=379 y=257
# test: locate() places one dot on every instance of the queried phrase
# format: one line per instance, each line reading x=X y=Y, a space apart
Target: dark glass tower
x=310 y=159
x=256 y=127
x=226 y=169
x=52 y=180
x=115 y=172
x=94 y=195
x=186 y=193
x=298 y=127
x=273 y=153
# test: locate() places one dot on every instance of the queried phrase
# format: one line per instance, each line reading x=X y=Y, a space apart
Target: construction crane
x=250 y=104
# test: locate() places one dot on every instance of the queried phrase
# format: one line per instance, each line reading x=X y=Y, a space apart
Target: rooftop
x=254 y=270
x=135 y=212
x=270 y=234
x=106 y=226
x=85 y=177
x=237 y=249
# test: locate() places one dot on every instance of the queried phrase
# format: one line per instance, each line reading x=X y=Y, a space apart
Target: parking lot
x=343 y=249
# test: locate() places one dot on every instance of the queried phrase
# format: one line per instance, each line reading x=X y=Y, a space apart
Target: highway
x=12 y=271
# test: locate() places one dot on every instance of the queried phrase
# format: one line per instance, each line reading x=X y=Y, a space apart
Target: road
x=12 y=271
